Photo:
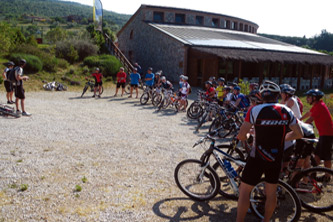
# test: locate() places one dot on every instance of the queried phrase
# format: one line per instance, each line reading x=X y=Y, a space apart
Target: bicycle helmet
x=237 y=88
x=254 y=85
x=181 y=76
x=150 y=68
x=268 y=86
x=23 y=61
x=316 y=93
x=10 y=63
x=185 y=78
x=286 y=88
x=163 y=78
x=97 y=69
x=209 y=83
x=212 y=78
x=221 y=79
x=255 y=96
x=227 y=88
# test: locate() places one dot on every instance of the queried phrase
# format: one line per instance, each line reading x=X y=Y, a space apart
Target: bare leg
x=122 y=91
x=17 y=103
x=95 y=89
x=11 y=95
x=243 y=201
x=116 y=91
x=270 y=200
x=137 y=92
x=7 y=96
x=22 y=105
x=131 y=92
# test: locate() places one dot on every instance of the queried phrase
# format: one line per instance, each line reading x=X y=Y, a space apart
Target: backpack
x=11 y=74
x=300 y=104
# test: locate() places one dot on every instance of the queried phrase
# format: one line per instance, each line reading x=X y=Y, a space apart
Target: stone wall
x=152 y=48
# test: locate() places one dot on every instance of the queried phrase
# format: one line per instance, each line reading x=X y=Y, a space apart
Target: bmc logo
x=274 y=122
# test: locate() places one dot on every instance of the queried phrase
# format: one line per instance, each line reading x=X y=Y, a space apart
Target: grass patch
x=84 y=180
x=77 y=188
x=23 y=187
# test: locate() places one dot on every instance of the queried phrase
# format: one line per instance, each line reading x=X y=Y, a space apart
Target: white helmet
x=268 y=86
x=163 y=78
x=185 y=78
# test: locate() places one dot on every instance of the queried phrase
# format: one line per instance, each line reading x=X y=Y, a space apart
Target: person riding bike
x=97 y=75
x=157 y=80
x=240 y=100
x=270 y=120
x=320 y=114
x=149 y=78
x=210 y=91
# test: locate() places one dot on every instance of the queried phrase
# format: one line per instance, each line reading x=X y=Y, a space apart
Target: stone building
x=202 y=44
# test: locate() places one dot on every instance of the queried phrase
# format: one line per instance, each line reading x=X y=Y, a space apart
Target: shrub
x=75 y=49
x=1 y=80
x=62 y=63
x=33 y=62
x=109 y=64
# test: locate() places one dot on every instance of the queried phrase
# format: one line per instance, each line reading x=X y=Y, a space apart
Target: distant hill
x=55 y=8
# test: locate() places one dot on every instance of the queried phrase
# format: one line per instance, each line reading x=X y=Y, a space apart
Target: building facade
x=202 y=44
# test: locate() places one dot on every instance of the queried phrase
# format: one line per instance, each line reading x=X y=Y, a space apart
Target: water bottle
x=230 y=169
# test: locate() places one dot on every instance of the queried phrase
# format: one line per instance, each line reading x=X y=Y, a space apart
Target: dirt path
x=120 y=153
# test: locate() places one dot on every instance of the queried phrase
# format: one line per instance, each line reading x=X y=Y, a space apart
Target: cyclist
x=19 y=90
x=255 y=97
x=210 y=91
x=227 y=96
x=185 y=90
x=213 y=81
x=98 y=82
x=121 y=80
x=253 y=86
x=166 y=84
x=240 y=100
x=270 y=120
x=135 y=79
x=219 y=90
x=149 y=78
x=8 y=84
x=287 y=98
x=157 y=79
x=320 y=114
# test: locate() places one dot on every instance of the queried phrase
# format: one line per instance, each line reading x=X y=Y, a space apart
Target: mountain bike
x=8 y=111
x=50 y=86
x=147 y=94
x=90 y=84
x=314 y=191
x=198 y=180
x=196 y=108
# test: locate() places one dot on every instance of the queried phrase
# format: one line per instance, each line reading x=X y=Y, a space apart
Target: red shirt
x=98 y=77
x=121 y=77
x=208 y=92
x=322 y=118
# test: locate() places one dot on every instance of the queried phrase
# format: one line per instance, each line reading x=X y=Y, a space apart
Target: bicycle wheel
x=315 y=192
x=194 y=111
x=144 y=98
x=9 y=113
x=217 y=122
x=157 y=98
x=84 y=90
x=288 y=207
x=202 y=120
x=196 y=182
x=102 y=90
x=128 y=89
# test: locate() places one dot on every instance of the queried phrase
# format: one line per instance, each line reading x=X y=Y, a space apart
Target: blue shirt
x=135 y=77
x=244 y=101
x=150 y=82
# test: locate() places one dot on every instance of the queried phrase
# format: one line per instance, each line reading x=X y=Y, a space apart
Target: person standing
x=8 y=84
x=320 y=114
x=19 y=90
x=185 y=90
x=270 y=120
x=219 y=90
x=121 y=81
x=98 y=82
x=135 y=78
x=149 y=78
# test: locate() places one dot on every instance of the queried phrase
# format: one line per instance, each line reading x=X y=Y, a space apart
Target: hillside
x=11 y=9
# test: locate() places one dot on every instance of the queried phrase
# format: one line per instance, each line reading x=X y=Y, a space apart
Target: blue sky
x=282 y=17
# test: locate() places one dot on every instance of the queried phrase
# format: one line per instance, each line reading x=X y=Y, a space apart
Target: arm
x=290 y=103
x=4 y=75
x=296 y=133
x=244 y=130
x=237 y=102
x=306 y=115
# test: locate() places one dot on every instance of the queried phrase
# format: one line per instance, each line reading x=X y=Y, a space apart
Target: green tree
x=56 y=34
x=5 y=37
x=17 y=37
x=324 y=41
x=31 y=30
x=31 y=40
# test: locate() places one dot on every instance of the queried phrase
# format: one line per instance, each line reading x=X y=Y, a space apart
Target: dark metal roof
x=231 y=44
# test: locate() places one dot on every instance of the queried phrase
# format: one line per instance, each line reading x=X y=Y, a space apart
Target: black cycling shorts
x=8 y=86
x=122 y=84
x=256 y=167
x=98 y=83
x=304 y=149
x=324 y=147
x=288 y=153
x=19 y=92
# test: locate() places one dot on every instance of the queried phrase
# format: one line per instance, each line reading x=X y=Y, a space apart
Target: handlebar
x=209 y=136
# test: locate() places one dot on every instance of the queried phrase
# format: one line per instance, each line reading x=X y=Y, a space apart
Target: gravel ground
x=121 y=154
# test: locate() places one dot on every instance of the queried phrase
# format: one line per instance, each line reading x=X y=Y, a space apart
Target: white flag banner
x=98 y=15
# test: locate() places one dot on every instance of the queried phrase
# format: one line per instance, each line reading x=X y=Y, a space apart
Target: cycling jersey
x=219 y=91
x=166 y=85
x=97 y=77
x=322 y=118
x=208 y=92
x=121 y=77
x=271 y=121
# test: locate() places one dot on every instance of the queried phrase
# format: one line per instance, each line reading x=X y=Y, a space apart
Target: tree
x=31 y=40
x=56 y=34
x=324 y=41
x=31 y=30
x=5 y=37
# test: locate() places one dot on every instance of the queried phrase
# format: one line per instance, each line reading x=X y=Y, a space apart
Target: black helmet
x=256 y=96
x=286 y=88
x=315 y=92
x=221 y=79
x=209 y=83
x=22 y=61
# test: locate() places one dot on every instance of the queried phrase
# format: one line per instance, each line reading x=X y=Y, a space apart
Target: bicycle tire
x=144 y=98
x=199 y=187
x=215 y=124
x=84 y=90
x=9 y=113
x=127 y=88
x=315 y=195
x=102 y=90
x=201 y=120
x=194 y=111
x=288 y=207
x=226 y=189
x=157 y=98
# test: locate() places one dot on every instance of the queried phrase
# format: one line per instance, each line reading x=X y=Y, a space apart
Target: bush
x=1 y=80
x=62 y=63
x=109 y=64
x=33 y=62
x=75 y=50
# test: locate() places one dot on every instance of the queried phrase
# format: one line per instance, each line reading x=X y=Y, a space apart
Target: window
x=158 y=16
x=246 y=28
x=130 y=55
x=180 y=18
x=232 y=25
x=228 y=24
x=215 y=22
x=235 y=26
x=241 y=26
x=199 y=20
x=131 y=34
x=250 y=28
